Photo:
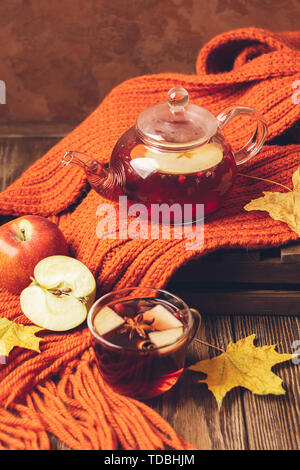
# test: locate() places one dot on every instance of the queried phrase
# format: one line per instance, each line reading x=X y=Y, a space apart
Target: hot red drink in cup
x=140 y=337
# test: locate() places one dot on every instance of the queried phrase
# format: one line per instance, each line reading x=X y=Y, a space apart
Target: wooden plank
x=237 y=302
x=265 y=271
x=290 y=253
x=272 y=422
x=191 y=408
x=16 y=155
x=238 y=256
x=36 y=129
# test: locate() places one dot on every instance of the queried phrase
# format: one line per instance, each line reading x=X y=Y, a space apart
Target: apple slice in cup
x=62 y=292
x=107 y=320
x=162 y=318
x=165 y=340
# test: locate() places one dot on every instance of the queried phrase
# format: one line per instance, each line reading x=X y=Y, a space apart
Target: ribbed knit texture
x=249 y=67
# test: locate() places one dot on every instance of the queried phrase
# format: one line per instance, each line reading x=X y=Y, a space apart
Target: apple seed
x=61 y=292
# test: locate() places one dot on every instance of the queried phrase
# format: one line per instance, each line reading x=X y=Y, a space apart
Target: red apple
x=23 y=243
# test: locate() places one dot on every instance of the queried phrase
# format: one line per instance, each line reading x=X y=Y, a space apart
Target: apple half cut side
x=61 y=294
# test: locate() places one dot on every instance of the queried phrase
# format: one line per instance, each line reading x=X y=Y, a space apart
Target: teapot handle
x=254 y=144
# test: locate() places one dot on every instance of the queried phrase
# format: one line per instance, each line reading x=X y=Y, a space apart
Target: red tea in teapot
x=142 y=349
x=197 y=176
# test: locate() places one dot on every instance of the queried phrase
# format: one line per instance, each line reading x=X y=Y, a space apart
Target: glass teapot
x=175 y=154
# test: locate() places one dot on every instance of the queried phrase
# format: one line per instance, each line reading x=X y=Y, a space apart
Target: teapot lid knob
x=175 y=123
x=177 y=99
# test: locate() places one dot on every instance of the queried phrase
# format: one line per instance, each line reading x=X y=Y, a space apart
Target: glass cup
x=137 y=370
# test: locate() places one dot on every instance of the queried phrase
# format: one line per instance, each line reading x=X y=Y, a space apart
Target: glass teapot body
x=200 y=175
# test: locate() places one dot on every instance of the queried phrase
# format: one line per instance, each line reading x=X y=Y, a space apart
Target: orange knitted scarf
x=60 y=391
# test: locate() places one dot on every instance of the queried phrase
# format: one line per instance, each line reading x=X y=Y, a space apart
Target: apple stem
x=266 y=180
x=23 y=235
x=210 y=345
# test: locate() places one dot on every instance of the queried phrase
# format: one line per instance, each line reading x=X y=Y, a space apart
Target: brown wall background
x=59 y=58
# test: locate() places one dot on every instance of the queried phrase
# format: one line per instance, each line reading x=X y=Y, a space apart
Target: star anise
x=137 y=325
x=186 y=155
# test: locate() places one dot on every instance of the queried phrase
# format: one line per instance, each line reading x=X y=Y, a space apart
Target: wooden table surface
x=245 y=421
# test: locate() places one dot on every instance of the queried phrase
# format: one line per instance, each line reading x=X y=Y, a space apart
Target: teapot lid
x=176 y=124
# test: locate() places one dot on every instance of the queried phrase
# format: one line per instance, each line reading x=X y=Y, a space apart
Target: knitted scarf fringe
x=85 y=414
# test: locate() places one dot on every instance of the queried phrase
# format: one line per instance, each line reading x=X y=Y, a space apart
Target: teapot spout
x=105 y=181
x=80 y=159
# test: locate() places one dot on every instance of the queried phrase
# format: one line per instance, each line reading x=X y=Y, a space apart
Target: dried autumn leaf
x=13 y=334
x=281 y=206
x=243 y=365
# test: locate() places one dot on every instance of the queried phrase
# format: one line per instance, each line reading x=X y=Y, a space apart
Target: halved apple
x=60 y=295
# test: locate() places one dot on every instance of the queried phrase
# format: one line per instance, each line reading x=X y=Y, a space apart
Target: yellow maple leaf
x=281 y=206
x=13 y=334
x=243 y=365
